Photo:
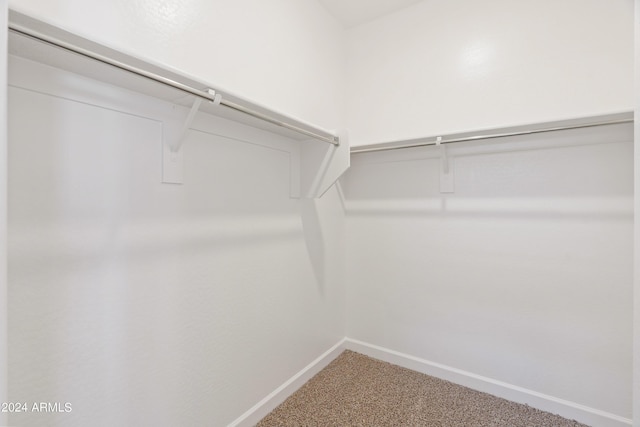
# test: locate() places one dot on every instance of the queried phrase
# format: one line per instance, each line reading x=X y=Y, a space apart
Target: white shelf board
x=29 y=48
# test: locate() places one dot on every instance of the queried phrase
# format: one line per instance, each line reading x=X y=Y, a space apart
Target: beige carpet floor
x=356 y=390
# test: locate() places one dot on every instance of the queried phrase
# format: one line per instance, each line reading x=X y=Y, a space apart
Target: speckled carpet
x=356 y=390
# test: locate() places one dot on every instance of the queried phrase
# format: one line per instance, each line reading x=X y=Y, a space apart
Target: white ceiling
x=355 y=12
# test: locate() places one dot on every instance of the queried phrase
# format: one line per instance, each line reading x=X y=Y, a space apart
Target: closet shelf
x=36 y=40
x=582 y=122
x=314 y=167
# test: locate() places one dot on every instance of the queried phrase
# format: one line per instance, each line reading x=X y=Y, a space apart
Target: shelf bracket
x=447 y=181
x=174 y=132
x=319 y=167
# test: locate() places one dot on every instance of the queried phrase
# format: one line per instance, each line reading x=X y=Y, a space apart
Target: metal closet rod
x=332 y=139
x=423 y=143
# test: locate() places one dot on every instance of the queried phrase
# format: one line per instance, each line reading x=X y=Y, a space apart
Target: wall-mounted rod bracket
x=174 y=132
x=177 y=144
x=446 y=168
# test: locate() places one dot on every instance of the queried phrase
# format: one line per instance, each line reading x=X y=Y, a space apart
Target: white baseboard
x=584 y=414
x=564 y=408
x=279 y=395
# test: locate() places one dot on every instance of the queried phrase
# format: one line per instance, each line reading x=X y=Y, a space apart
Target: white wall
x=285 y=54
x=444 y=66
x=148 y=304
x=523 y=275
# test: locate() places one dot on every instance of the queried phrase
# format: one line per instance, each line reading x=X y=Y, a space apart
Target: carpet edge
x=554 y=405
